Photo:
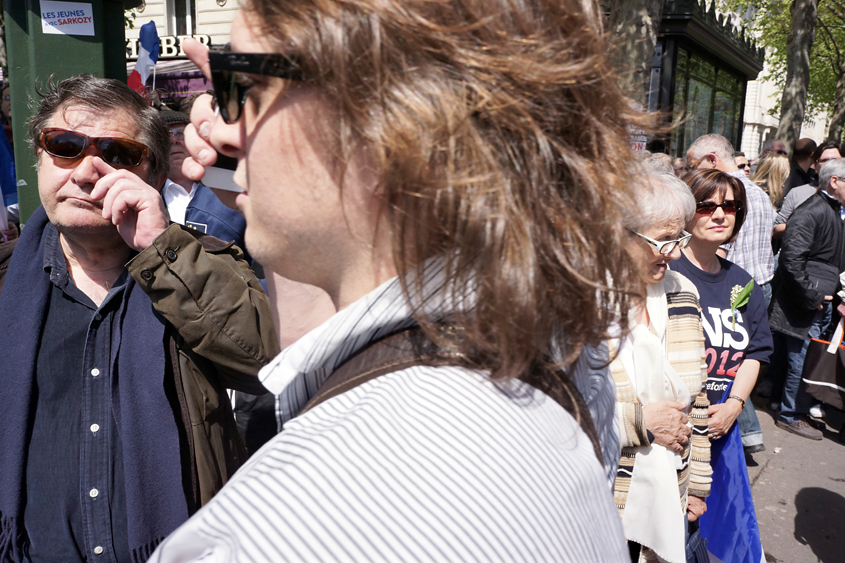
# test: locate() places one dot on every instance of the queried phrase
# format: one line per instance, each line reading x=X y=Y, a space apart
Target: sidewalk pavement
x=799 y=492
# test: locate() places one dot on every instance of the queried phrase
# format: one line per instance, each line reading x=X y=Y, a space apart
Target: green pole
x=36 y=57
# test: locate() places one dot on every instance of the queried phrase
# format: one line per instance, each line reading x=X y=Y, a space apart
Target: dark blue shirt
x=728 y=345
x=75 y=496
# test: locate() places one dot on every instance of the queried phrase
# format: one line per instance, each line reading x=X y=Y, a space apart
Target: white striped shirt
x=424 y=464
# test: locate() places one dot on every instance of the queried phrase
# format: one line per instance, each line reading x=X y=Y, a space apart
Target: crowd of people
x=450 y=317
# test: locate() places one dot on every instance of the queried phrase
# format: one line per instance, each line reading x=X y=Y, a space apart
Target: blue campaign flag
x=730 y=524
x=8 y=178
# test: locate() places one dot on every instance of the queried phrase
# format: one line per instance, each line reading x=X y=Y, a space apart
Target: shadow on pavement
x=820 y=514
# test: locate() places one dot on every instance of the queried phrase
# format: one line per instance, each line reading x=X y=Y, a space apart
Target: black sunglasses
x=709 y=207
x=64 y=143
x=230 y=86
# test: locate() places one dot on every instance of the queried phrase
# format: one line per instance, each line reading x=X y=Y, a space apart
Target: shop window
x=708 y=97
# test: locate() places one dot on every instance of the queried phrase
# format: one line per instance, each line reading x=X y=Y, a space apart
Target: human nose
x=718 y=213
x=85 y=174
x=676 y=253
x=225 y=138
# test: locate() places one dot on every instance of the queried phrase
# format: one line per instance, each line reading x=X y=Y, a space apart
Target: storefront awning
x=175 y=79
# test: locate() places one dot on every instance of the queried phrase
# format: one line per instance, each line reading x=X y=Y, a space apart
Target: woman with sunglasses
x=660 y=397
x=737 y=340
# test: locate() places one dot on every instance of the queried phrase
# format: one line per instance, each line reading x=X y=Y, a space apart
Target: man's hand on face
x=132 y=205
x=198 y=132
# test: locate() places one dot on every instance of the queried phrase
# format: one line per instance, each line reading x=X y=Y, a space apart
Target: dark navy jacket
x=206 y=213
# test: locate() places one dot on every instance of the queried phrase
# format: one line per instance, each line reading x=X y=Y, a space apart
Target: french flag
x=147 y=57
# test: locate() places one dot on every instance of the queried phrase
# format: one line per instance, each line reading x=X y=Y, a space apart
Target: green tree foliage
x=129 y=19
x=771 y=24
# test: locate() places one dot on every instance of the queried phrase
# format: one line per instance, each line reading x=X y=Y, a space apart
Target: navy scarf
x=155 y=497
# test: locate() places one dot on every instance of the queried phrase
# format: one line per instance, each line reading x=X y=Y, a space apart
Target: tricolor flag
x=147 y=57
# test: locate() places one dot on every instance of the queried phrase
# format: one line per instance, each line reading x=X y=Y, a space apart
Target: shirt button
x=95 y=372
x=171 y=254
x=95 y=428
x=98 y=550
x=98 y=317
x=93 y=493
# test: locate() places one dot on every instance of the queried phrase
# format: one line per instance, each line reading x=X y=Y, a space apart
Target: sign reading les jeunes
x=67 y=18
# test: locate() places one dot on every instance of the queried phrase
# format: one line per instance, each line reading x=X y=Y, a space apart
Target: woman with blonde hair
x=771 y=174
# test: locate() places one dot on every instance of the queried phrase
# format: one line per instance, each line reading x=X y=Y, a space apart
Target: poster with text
x=67 y=18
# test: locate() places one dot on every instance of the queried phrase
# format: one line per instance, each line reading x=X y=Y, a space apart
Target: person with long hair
x=660 y=382
x=737 y=340
x=771 y=174
x=453 y=174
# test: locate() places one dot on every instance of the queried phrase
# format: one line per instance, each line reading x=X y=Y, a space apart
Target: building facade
x=703 y=65
x=208 y=21
x=760 y=126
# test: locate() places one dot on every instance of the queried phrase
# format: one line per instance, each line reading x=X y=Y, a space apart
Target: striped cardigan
x=686 y=354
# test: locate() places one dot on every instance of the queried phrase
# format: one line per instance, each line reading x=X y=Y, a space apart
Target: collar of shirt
x=306 y=364
x=833 y=199
x=177 y=200
x=55 y=266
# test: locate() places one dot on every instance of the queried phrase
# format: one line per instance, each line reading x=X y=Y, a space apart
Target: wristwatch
x=738 y=399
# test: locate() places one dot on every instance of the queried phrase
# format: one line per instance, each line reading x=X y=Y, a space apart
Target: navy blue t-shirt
x=727 y=346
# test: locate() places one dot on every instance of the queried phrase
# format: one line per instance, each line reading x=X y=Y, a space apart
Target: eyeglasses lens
x=667 y=247
x=178 y=133
x=741 y=166
x=709 y=207
x=120 y=153
x=229 y=95
x=115 y=152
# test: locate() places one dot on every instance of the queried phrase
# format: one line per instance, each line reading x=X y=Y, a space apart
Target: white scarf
x=653 y=514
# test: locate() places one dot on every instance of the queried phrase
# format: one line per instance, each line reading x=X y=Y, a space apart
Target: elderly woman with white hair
x=660 y=376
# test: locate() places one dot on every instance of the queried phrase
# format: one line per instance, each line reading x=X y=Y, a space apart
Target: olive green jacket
x=220 y=334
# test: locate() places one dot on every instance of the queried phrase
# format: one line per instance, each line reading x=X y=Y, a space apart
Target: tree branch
x=828 y=39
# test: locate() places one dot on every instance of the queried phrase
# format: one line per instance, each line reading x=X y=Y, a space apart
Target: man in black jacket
x=804 y=285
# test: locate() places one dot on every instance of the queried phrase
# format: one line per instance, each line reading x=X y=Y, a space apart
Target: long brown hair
x=502 y=146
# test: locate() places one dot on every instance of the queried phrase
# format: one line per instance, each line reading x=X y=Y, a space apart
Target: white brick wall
x=154 y=10
x=215 y=20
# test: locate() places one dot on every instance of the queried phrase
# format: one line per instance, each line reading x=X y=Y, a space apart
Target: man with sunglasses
x=774 y=146
x=742 y=162
x=751 y=250
x=127 y=331
x=811 y=259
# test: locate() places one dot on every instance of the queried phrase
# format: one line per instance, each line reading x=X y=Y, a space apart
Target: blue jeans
x=749 y=425
x=788 y=363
